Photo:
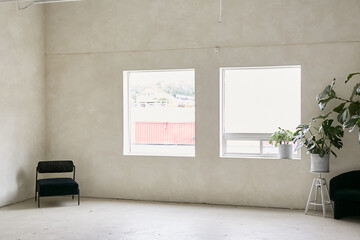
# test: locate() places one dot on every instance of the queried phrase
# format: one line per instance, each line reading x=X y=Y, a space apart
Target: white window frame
x=127 y=115
x=261 y=137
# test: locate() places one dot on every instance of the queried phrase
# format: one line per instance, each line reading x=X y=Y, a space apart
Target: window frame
x=127 y=114
x=261 y=137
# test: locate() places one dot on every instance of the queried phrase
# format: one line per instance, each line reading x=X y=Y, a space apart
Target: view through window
x=159 y=112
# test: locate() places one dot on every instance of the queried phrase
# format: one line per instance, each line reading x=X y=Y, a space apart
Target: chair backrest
x=55 y=166
x=350 y=179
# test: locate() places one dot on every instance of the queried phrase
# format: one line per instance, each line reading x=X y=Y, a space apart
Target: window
x=159 y=112
x=255 y=101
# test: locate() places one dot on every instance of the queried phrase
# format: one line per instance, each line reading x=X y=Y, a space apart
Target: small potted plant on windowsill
x=319 y=141
x=282 y=139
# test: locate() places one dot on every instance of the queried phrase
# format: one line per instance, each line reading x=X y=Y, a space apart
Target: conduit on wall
x=24 y=4
x=220 y=10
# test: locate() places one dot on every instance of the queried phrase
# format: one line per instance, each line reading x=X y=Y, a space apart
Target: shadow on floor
x=353 y=219
x=46 y=202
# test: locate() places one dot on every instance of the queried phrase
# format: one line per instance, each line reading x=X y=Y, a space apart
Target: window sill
x=156 y=155
x=258 y=157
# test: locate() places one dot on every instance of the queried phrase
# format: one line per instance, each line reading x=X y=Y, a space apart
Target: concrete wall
x=22 y=100
x=90 y=43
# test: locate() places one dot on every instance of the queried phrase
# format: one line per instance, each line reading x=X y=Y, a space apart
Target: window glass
x=255 y=101
x=159 y=112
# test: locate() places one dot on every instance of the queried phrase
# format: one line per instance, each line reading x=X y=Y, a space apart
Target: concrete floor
x=61 y=218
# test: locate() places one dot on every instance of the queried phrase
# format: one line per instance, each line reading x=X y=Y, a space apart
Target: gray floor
x=61 y=218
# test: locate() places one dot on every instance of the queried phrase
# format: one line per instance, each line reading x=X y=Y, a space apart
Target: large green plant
x=348 y=111
x=321 y=138
x=281 y=137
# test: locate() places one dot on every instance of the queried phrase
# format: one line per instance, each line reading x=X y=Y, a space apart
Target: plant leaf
x=354 y=108
x=321 y=117
x=333 y=82
x=355 y=91
x=352 y=128
x=300 y=145
x=312 y=146
x=322 y=103
x=343 y=115
x=333 y=153
x=350 y=123
x=324 y=93
x=351 y=75
x=339 y=108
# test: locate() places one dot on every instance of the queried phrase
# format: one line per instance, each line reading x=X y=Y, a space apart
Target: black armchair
x=345 y=192
x=56 y=186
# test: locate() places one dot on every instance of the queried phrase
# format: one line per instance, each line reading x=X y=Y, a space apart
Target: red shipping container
x=177 y=133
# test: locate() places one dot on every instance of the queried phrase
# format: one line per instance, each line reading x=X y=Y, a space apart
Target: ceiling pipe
x=24 y=4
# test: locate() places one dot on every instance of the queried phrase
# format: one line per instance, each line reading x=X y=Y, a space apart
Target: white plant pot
x=320 y=164
x=285 y=151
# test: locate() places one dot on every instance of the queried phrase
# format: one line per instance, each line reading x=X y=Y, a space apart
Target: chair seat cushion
x=57 y=187
x=347 y=194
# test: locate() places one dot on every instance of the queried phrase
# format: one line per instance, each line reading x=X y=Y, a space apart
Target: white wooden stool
x=320 y=184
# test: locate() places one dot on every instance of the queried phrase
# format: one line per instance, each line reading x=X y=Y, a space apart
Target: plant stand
x=319 y=184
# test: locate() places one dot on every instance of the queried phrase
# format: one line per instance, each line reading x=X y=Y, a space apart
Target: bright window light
x=159 y=112
x=255 y=101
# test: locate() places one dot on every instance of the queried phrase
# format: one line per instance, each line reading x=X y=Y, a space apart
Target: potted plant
x=348 y=111
x=319 y=141
x=282 y=139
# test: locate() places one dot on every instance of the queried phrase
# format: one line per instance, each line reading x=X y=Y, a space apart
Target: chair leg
x=79 y=198
x=72 y=196
x=35 y=192
x=38 y=201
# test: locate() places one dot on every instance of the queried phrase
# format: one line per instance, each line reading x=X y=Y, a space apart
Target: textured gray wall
x=90 y=43
x=22 y=100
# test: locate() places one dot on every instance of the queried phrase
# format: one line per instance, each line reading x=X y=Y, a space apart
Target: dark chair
x=345 y=192
x=56 y=186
